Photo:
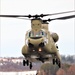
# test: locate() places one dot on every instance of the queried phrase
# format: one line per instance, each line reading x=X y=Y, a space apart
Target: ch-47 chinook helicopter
x=40 y=44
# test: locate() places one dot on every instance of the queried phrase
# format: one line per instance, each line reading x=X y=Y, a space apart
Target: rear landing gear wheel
x=23 y=62
x=53 y=61
x=56 y=61
x=30 y=66
x=59 y=64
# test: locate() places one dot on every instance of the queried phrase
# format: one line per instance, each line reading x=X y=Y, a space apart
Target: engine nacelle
x=55 y=37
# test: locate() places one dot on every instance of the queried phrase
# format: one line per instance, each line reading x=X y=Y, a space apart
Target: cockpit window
x=37 y=34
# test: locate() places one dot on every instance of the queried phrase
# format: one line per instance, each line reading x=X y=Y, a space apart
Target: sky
x=12 y=31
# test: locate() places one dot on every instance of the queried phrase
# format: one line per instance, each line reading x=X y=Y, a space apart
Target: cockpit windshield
x=37 y=34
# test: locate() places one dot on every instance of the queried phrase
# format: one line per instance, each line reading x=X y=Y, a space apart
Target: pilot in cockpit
x=40 y=33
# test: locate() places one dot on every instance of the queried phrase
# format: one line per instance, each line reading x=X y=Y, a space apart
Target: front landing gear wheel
x=23 y=62
x=27 y=62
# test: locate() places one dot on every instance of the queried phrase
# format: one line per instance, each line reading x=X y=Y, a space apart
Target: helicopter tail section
x=45 y=26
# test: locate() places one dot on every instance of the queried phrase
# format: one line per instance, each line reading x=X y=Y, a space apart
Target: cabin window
x=29 y=34
x=42 y=33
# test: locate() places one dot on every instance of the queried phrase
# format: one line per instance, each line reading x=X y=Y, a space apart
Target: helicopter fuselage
x=40 y=44
x=37 y=47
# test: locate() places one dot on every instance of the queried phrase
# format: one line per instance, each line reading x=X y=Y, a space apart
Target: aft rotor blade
x=60 y=13
x=64 y=18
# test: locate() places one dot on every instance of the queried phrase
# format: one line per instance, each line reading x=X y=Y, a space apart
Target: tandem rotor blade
x=60 y=18
x=63 y=18
x=60 y=13
x=35 y=16
x=15 y=16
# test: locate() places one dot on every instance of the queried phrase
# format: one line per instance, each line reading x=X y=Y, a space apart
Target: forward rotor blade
x=9 y=15
x=13 y=16
x=64 y=18
x=36 y=16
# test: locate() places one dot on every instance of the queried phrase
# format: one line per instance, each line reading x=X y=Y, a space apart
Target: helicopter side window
x=29 y=34
x=42 y=33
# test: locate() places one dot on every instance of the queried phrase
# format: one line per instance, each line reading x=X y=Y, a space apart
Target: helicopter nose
x=30 y=45
x=41 y=44
x=36 y=42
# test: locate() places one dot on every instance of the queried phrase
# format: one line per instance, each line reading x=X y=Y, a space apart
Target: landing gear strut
x=56 y=61
x=26 y=62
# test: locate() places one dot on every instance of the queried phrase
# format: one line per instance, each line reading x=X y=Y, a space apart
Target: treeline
x=17 y=66
x=12 y=64
x=9 y=65
x=68 y=59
